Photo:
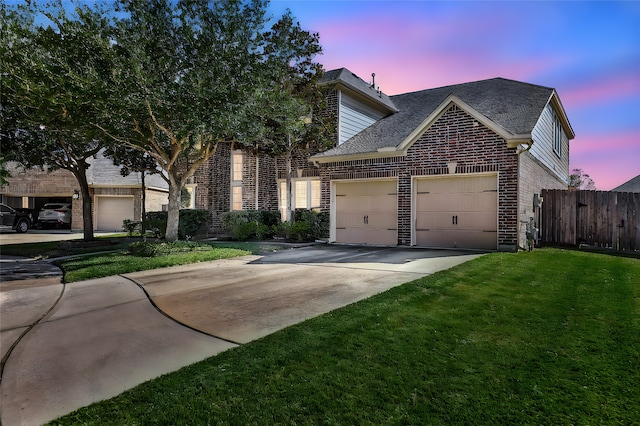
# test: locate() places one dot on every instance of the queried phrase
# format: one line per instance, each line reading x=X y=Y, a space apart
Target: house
x=632 y=185
x=454 y=167
x=459 y=166
x=114 y=197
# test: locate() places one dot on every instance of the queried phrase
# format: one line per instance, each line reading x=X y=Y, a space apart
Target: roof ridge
x=472 y=82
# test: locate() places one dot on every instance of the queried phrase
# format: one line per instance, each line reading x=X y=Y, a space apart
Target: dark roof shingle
x=347 y=78
x=512 y=105
x=632 y=185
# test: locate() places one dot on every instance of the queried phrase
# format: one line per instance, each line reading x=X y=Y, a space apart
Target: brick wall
x=214 y=181
x=36 y=182
x=456 y=136
x=534 y=177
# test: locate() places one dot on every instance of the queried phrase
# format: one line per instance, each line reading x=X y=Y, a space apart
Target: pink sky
x=588 y=51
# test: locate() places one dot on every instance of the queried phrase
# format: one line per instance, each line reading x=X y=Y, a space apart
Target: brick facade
x=213 y=179
x=534 y=177
x=454 y=137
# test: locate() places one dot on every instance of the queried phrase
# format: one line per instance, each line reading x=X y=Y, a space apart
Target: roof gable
x=508 y=107
x=632 y=185
x=342 y=77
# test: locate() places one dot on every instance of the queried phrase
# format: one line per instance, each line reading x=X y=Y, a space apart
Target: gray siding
x=542 y=148
x=355 y=116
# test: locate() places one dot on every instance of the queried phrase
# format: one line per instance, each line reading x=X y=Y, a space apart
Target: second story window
x=557 y=136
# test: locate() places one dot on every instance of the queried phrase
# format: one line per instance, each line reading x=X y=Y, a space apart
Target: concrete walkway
x=65 y=346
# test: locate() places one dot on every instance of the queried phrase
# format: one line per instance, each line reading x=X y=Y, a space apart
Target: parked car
x=19 y=220
x=58 y=214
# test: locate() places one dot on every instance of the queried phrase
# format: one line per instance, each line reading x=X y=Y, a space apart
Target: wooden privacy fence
x=597 y=218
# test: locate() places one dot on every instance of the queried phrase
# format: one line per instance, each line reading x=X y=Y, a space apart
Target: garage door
x=111 y=211
x=456 y=212
x=366 y=212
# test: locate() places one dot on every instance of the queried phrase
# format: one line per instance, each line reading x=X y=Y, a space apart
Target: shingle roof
x=632 y=185
x=347 y=78
x=512 y=105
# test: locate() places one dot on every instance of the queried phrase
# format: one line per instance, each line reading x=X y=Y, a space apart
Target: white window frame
x=236 y=190
x=557 y=136
x=308 y=203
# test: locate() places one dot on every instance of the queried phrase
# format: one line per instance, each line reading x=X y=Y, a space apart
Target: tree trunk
x=87 y=214
x=173 y=216
x=290 y=207
x=143 y=201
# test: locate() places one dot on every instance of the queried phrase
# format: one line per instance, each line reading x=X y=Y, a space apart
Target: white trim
x=235 y=183
x=280 y=182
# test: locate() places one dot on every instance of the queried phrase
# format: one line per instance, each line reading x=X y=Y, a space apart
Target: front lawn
x=548 y=337
x=168 y=254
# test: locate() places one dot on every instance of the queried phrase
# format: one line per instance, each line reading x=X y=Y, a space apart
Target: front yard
x=548 y=337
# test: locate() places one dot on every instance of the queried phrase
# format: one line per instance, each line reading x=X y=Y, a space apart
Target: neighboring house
x=114 y=197
x=632 y=185
x=453 y=167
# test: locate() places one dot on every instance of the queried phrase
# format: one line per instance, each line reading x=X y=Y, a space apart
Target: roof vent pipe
x=373 y=80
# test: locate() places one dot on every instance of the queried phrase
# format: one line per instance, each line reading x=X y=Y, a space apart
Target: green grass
x=121 y=262
x=65 y=248
x=548 y=337
x=29 y=250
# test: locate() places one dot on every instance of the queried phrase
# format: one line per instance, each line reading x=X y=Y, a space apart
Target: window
x=236 y=198
x=557 y=136
x=306 y=194
x=236 y=180
x=236 y=166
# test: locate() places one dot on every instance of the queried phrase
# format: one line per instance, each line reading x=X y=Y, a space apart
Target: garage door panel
x=483 y=220
x=366 y=236
x=457 y=239
x=376 y=188
x=111 y=211
x=457 y=185
x=461 y=202
x=366 y=212
x=456 y=211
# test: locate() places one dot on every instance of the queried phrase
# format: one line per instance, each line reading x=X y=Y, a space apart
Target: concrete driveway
x=44 y=235
x=65 y=346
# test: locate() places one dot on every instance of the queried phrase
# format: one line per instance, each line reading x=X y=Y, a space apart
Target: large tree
x=191 y=76
x=292 y=111
x=578 y=179
x=55 y=65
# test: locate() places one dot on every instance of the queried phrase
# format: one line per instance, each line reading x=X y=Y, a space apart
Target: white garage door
x=366 y=212
x=111 y=211
x=456 y=212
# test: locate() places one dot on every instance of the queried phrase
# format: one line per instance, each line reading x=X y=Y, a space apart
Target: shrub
x=298 y=231
x=148 y=249
x=131 y=226
x=250 y=224
x=156 y=222
x=191 y=222
x=317 y=222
